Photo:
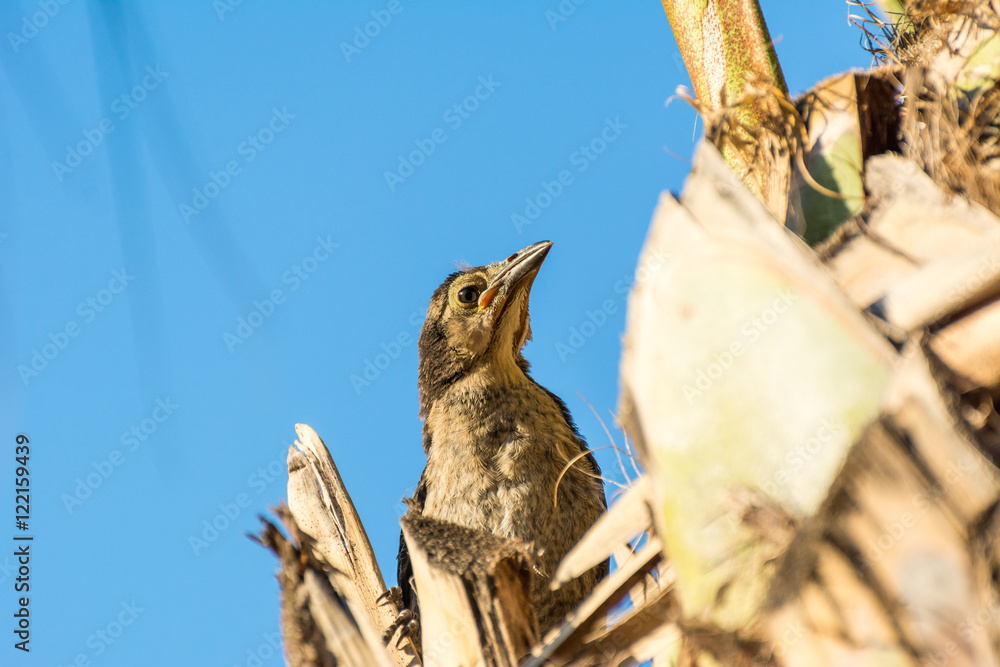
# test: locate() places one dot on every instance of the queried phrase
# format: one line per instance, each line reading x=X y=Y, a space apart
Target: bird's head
x=478 y=316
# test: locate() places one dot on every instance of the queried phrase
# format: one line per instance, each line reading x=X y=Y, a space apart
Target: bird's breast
x=493 y=461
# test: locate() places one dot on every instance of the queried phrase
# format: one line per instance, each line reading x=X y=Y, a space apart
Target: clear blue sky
x=171 y=168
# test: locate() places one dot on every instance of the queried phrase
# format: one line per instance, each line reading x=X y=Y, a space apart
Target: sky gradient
x=218 y=219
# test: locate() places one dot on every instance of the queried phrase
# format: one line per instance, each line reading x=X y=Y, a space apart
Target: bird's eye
x=468 y=294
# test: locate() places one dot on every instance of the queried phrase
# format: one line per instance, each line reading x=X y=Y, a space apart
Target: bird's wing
x=603 y=568
x=404 y=568
x=591 y=462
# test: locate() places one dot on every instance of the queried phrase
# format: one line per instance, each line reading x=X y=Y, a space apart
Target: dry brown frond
x=877 y=37
x=955 y=138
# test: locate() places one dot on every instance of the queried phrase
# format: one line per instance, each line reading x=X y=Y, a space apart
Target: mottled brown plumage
x=496 y=441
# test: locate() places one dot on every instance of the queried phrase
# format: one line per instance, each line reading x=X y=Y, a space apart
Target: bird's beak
x=519 y=271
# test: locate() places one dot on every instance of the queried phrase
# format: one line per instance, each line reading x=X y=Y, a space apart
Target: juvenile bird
x=496 y=441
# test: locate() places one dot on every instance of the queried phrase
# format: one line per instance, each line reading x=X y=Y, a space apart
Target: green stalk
x=725 y=44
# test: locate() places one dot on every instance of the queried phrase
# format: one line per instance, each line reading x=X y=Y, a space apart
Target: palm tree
x=810 y=376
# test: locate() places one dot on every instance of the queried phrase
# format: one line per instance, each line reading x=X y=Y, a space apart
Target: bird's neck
x=498 y=369
x=480 y=402
x=487 y=385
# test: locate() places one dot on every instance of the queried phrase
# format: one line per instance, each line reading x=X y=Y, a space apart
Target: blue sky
x=215 y=219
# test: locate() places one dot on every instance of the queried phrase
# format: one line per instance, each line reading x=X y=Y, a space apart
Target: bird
x=496 y=441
